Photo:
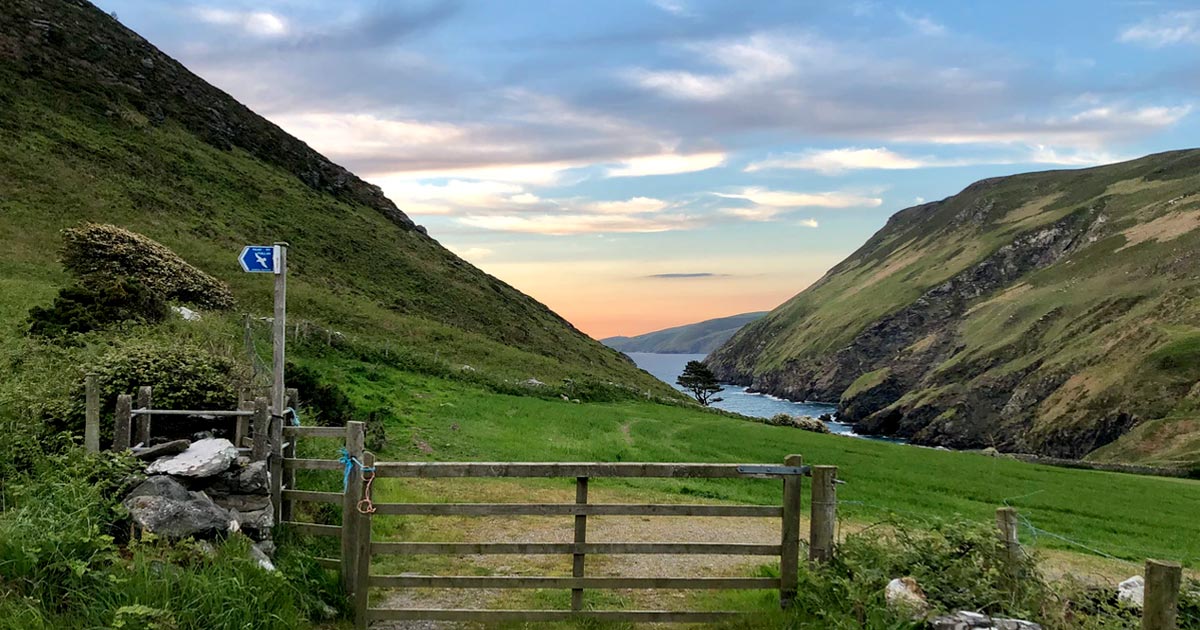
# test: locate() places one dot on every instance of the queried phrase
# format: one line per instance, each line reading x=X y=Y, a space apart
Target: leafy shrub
x=96 y=303
x=183 y=377
x=94 y=249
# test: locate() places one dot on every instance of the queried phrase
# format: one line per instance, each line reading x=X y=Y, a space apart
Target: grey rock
x=266 y=547
x=261 y=558
x=160 y=486
x=532 y=382
x=256 y=524
x=965 y=620
x=204 y=458
x=248 y=478
x=1132 y=592
x=162 y=450
x=174 y=519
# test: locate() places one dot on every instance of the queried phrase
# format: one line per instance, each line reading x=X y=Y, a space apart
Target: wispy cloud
x=1175 y=27
x=808 y=223
x=684 y=276
x=922 y=24
x=674 y=7
x=256 y=23
x=790 y=199
x=667 y=164
x=835 y=161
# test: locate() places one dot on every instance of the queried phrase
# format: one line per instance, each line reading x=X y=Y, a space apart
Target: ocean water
x=668 y=367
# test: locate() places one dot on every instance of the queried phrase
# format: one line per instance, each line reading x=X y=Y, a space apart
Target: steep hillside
x=1049 y=312
x=97 y=124
x=699 y=338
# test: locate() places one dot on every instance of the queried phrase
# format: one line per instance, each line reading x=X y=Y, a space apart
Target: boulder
x=807 y=423
x=162 y=450
x=965 y=620
x=905 y=594
x=1132 y=592
x=172 y=518
x=203 y=458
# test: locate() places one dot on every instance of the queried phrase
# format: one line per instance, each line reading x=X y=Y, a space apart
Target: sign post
x=273 y=259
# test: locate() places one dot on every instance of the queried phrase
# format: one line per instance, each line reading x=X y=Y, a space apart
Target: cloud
x=674 y=7
x=667 y=164
x=256 y=23
x=1090 y=128
x=922 y=24
x=637 y=205
x=1166 y=29
x=567 y=224
x=809 y=223
x=475 y=253
x=746 y=63
x=789 y=199
x=684 y=276
x=835 y=161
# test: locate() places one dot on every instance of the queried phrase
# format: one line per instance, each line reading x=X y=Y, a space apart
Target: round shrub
x=95 y=303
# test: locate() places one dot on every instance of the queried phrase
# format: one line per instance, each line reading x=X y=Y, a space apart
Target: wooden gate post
x=122 y=421
x=789 y=560
x=362 y=556
x=355 y=440
x=577 y=559
x=91 y=423
x=144 y=401
x=262 y=428
x=276 y=465
x=289 y=451
x=822 y=526
x=1161 y=602
x=1007 y=526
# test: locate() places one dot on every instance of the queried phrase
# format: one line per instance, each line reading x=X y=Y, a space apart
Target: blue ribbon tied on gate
x=350 y=462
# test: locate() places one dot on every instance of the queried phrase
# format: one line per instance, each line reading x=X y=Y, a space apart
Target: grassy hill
x=1049 y=312
x=98 y=125
x=699 y=338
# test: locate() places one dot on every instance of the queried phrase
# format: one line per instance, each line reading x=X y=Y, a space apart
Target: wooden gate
x=358 y=547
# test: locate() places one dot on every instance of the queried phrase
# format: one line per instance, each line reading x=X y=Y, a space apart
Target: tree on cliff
x=699 y=380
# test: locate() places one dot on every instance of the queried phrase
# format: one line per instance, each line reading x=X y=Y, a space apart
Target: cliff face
x=1049 y=312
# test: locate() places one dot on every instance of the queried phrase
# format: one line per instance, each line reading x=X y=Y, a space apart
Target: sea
x=668 y=367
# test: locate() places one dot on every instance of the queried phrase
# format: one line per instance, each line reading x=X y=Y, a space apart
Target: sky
x=639 y=164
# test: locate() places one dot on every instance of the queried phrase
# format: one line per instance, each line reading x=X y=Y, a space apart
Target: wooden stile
x=578 y=558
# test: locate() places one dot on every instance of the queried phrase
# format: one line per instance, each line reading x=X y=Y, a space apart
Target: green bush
x=96 y=303
x=94 y=249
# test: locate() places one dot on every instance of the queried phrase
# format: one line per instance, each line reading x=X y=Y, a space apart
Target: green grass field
x=1126 y=516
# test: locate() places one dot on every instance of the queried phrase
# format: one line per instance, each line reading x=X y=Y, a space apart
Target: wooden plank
x=314 y=529
x=431 y=581
x=578 y=558
x=362 y=551
x=536 y=469
x=190 y=412
x=355 y=437
x=289 y=450
x=275 y=466
x=572 y=509
x=822 y=525
x=789 y=556
x=241 y=431
x=633 y=616
x=144 y=401
x=311 y=496
x=312 y=464
x=91 y=427
x=316 y=432
x=121 y=422
x=333 y=564
x=467 y=549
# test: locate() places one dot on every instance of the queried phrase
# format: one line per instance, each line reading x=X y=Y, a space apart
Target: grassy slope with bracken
x=97 y=125
x=1052 y=312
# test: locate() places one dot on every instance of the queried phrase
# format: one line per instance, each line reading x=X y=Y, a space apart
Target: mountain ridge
x=979 y=320
x=698 y=338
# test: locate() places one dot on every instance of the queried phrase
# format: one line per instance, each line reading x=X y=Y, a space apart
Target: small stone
x=1132 y=592
x=261 y=558
x=906 y=595
x=204 y=458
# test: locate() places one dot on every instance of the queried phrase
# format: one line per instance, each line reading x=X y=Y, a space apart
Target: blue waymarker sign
x=259 y=259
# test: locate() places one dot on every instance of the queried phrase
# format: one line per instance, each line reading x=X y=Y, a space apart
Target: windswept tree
x=700 y=381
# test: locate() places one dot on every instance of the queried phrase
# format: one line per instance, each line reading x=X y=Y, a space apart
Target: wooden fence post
x=1161 y=602
x=822 y=527
x=289 y=451
x=241 y=429
x=262 y=428
x=91 y=426
x=1007 y=526
x=144 y=401
x=275 y=465
x=577 y=559
x=362 y=556
x=121 y=423
x=789 y=560
x=355 y=440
